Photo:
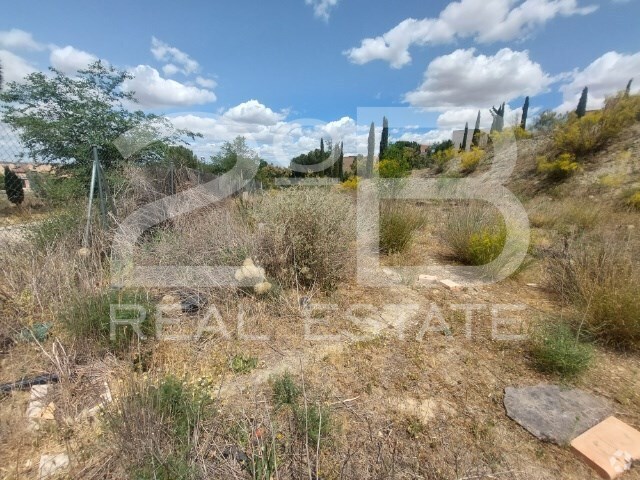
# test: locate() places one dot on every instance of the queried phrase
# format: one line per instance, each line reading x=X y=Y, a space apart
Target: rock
x=554 y=414
x=83 y=252
x=36 y=405
x=451 y=285
x=533 y=285
x=395 y=277
x=50 y=465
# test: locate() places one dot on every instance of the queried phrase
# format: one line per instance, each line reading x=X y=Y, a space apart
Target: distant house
x=424 y=149
x=347 y=162
x=458 y=136
x=22 y=170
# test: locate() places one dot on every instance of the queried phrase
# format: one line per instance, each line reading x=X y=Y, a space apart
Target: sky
x=286 y=73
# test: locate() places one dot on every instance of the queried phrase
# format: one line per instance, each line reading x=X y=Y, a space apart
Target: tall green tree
x=322 y=146
x=464 y=137
x=525 y=112
x=581 y=110
x=475 y=140
x=384 y=140
x=59 y=118
x=371 y=145
x=627 y=91
x=235 y=154
x=13 y=186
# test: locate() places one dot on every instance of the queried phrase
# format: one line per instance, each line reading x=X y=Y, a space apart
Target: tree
x=475 y=140
x=370 y=150
x=384 y=140
x=627 y=91
x=464 y=137
x=525 y=112
x=314 y=157
x=232 y=154
x=322 y=146
x=341 y=162
x=13 y=186
x=582 y=104
x=181 y=156
x=59 y=118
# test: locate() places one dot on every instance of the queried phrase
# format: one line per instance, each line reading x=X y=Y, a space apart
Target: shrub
x=557 y=349
x=634 y=200
x=152 y=428
x=314 y=422
x=62 y=226
x=398 y=223
x=13 y=186
x=351 y=183
x=589 y=133
x=441 y=158
x=600 y=277
x=392 y=168
x=87 y=317
x=306 y=236
x=470 y=160
x=241 y=364
x=285 y=390
x=475 y=235
x=559 y=169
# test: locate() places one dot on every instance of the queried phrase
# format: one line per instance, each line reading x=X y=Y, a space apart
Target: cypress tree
x=370 y=150
x=475 y=140
x=464 y=138
x=582 y=104
x=627 y=91
x=322 y=147
x=341 y=161
x=525 y=111
x=13 y=186
x=384 y=141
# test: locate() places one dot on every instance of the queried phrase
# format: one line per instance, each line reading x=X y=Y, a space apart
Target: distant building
x=22 y=170
x=458 y=136
x=424 y=149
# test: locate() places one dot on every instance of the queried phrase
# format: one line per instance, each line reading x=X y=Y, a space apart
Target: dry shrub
x=568 y=215
x=600 y=277
x=398 y=224
x=305 y=236
x=153 y=428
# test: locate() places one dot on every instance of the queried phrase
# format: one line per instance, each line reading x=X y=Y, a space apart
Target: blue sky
x=256 y=68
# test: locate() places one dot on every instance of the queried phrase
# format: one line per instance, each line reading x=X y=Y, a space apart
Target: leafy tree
x=547 y=121
x=314 y=157
x=475 y=140
x=525 y=112
x=181 y=156
x=464 y=137
x=384 y=140
x=59 y=117
x=582 y=103
x=268 y=173
x=405 y=154
x=13 y=186
x=235 y=153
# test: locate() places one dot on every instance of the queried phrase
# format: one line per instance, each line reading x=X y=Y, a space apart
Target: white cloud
x=177 y=60
x=69 y=59
x=485 y=20
x=16 y=39
x=253 y=112
x=606 y=75
x=154 y=91
x=206 y=82
x=14 y=67
x=463 y=79
x=322 y=8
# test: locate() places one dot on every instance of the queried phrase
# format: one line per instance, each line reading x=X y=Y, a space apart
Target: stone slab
x=555 y=414
x=451 y=285
x=610 y=448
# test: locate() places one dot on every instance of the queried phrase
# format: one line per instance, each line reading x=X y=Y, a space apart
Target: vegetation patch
x=557 y=349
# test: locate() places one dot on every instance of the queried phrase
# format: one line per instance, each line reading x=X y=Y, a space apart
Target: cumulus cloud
x=177 y=60
x=206 y=82
x=605 y=76
x=69 y=59
x=253 y=112
x=16 y=39
x=464 y=79
x=322 y=8
x=485 y=20
x=153 y=91
x=14 y=67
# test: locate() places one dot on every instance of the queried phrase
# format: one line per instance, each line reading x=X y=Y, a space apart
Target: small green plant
x=634 y=200
x=559 y=169
x=241 y=364
x=57 y=227
x=152 y=427
x=314 y=421
x=557 y=349
x=89 y=318
x=285 y=390
x=398 y=224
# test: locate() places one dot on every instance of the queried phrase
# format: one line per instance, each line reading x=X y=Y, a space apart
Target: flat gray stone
x=555 y=414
